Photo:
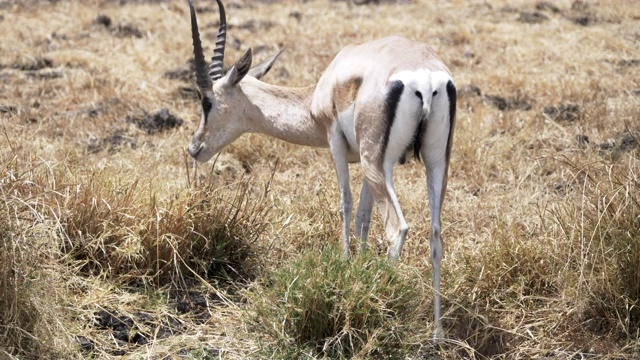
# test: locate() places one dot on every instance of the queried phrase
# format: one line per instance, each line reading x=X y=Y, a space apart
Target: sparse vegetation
x=604 y=231
x=113 y=244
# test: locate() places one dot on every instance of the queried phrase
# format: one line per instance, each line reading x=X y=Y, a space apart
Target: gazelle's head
x=224 y=104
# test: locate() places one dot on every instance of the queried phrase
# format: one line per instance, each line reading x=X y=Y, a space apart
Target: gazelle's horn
x=202 y=77
x=217 y=59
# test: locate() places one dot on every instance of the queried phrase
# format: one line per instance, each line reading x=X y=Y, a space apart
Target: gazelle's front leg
x=363 y=215
x=339 y=148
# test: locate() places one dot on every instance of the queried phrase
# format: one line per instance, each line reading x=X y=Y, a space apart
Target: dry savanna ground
x=114 y=244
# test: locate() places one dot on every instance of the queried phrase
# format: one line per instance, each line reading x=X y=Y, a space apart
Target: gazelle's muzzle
x=195 y=148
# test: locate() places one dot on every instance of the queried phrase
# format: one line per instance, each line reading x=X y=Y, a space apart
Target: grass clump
x=605 y=230
x=29 y=290
x=17 y=320
x=123 y=229
x=514 y=267
x=321 y=305
x=518 y=276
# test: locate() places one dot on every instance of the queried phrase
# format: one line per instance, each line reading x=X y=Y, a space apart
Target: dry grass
x=114 y=245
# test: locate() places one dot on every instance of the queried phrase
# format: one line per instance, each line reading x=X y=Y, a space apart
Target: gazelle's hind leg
x=401 y=110
x=398 y=119
x=436 y=183
x=380 y=183
x=395 y=226
x=436 y=151
x=363 y=215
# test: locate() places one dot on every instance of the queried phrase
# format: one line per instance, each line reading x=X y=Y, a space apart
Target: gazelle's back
x=370 y=65
x=392 y=53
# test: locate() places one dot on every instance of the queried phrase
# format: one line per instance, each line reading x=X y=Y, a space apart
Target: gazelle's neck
x=284 y=113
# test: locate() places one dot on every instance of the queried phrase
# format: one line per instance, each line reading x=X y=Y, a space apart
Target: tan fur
x=344 y=94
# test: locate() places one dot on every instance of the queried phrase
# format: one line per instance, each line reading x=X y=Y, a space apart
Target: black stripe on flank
x=390 y=106
x=452 y=95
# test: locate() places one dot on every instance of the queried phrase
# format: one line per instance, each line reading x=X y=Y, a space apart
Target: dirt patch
x=127 y=331
x=623 y=142
x=120 y=325
x=376 y=2
x=564 y=112
x=187 y=92
x=254 y=25
x=184 y=73
x=45 y=74
x=101 y=107
x=137 y=329
x=560 y=188
x=85 y=344
x=579 y=14
x=120 y=30
x=582 y=140
x=534 y=17
x=159 y=121
x=8 y=109
x=196 y=304
x=628 y=63
x=469 y=90
x=547 y=6
x=505 y=104
x=33 y=64
x=124 y=2
x=127 y=30
x=624 y=65
x=113 y=142
x=579 y=5
x=584 y=20
x=103 y=20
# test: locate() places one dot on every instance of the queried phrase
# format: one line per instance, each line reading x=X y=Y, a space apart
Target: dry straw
x=113 y=244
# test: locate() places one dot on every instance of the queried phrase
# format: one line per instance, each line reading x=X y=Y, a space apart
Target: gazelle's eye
x=206 y=106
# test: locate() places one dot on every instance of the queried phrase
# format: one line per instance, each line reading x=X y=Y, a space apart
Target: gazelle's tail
x=438 y=96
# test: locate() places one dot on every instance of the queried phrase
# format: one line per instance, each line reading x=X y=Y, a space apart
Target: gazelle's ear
x=239 y=69
x=261 y=69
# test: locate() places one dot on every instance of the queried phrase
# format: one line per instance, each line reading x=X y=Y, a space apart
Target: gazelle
x=375 y=104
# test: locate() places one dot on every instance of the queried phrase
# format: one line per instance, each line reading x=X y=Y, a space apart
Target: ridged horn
x=217 y=59
x=202 y=77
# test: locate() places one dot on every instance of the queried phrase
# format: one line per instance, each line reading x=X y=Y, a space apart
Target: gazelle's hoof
x=393 y=254
x=438 y=335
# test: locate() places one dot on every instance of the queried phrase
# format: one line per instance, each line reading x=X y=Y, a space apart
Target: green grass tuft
x=322 y=305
